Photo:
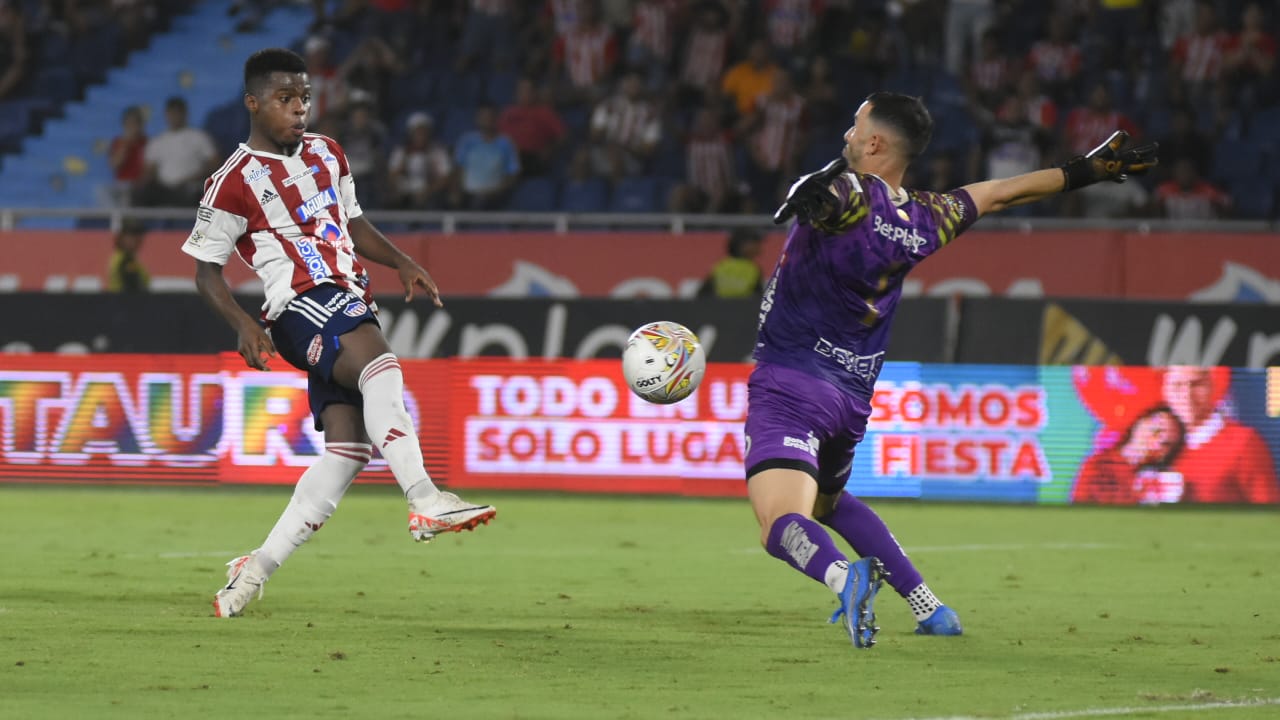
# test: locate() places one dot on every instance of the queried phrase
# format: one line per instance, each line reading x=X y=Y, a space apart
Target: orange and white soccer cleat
x=244 y=580
x=446 y=512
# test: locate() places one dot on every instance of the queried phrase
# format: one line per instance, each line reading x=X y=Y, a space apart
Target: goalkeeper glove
x=810 y=197
x=1109 y=161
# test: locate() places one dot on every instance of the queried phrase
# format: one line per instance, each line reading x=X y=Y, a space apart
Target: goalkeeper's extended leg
x=799 y=541
x=867 y=534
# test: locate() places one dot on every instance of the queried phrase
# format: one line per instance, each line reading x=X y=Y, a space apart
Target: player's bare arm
x=1109 y=161
x=371 y=244
x=254 y=345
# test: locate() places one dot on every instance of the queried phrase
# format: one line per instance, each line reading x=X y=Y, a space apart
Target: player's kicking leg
x=315 y=497
x=867 y=534
x=782 y=498
x=365 y=362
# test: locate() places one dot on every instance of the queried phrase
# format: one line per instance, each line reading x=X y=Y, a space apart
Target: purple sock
x=804 y=545
x=867 y=534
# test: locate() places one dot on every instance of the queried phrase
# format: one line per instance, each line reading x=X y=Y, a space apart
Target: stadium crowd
x=714 y=105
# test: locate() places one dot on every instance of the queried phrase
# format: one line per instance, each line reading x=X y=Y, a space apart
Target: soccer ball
x=663 y=362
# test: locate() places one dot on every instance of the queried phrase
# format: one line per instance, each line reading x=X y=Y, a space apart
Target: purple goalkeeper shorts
x=800 y=422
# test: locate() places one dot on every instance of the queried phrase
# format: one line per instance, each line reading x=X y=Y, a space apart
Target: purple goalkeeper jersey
x=828 y=307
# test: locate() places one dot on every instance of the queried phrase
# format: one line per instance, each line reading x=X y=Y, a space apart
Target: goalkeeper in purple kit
x=823 y=331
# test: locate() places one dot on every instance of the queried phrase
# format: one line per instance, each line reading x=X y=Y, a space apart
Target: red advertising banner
x=576 y=426
x=1004 y=433
x=1097 y=264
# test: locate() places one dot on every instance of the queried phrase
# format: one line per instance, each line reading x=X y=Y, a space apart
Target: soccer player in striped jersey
x=823 y=330
x=285 y=202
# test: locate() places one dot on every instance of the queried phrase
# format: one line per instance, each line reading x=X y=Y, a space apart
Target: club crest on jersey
x=314 y=350
x=258 y=174
x=316 y=203
x=311 y=258
x=329 y=232
x=321 y=148
x=355 y=309
x=298 y=176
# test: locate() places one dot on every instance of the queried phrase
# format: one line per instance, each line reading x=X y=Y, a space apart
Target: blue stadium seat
x=669 y=161
x=15 y=119
x=576 y=119
x=534 y=194
x=635 y=195
x=1236 y=160
x=228 y=125
x=500 y=90
x=1264 y=126
x=457 y=120
x=1253 y=200
x=465 y=89
x=585 y=196
x=58 y=83
x=416 y=92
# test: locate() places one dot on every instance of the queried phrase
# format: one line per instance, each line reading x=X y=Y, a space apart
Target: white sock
x=922 y=602
x=390 y=427
x=314 y=499
x=837 y=575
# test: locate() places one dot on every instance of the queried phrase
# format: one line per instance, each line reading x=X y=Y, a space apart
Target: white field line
x=1117 y=711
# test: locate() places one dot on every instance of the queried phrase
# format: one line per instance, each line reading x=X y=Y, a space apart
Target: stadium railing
x=451 y=222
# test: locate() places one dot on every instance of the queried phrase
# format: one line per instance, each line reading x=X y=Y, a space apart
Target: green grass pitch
x=621 y=607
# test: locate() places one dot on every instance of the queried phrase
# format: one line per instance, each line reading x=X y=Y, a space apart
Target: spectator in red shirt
x=625 y=130
x=1250 y=55
x=990 y=73
x=126 y=156
x=1056 y=59
x=710 y=184
x=1096 y=120
x=654 y=24
x=583 y=58
x=705 y=52
x=1188 y=197
x=534 y=126
x=1197 y=58
x=774 y=132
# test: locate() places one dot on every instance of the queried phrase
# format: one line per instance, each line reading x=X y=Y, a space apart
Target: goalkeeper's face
x=280 y=109
x=855 y=138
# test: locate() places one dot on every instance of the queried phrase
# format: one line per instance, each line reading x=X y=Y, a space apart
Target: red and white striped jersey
x=653 y=26
x=630 y=123
x=704 y=57
x=287 y=218
x=789 y=23
x=587 y=54
x=1085 y=128
x=710 y=164
x=775 y=140
x=1201 y=56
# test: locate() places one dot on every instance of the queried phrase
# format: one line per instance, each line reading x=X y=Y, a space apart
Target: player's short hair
x=907 y=115
x=260 y=65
